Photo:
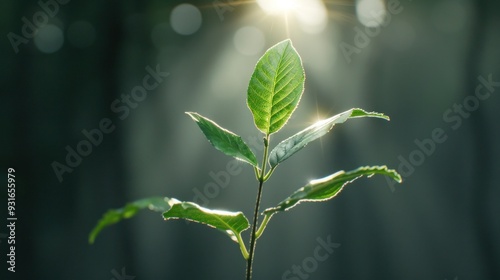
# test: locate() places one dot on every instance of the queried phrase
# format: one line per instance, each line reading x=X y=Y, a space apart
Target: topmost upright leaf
x=276 y=86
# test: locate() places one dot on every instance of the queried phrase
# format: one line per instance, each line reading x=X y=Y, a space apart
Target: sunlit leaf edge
x=334 y=184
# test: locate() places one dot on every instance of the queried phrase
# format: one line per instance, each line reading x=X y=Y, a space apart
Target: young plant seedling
x=274 y=92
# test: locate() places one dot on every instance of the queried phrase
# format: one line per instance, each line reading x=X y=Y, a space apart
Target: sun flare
x=274 y=7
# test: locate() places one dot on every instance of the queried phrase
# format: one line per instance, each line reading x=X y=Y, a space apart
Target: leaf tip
x=394 y=174
x=385 y=117
x=193 y=116
x=287 y=41
x=398 y=177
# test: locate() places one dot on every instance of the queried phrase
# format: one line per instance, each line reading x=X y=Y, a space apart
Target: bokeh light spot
x=371 y=13
x=249 y=40
x=49 y=38
x=312 y=15
x=185 y=19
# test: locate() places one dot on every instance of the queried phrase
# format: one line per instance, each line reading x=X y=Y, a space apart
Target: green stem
x=243 y=248
x=253 y=236
x=262 y=226
x=257 y=170
x=269 y=173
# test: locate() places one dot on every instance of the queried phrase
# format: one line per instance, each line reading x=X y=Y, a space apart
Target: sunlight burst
x=311 y=15
x=278 y=6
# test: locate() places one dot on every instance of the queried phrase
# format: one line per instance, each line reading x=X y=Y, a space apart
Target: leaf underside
x=113 y=216
x=276 y=87
x=231 y=223
x=328 y=187
x=224 y=140
x=295 y=143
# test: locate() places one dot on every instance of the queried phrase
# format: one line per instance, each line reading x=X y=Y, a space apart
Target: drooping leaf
x=290 y=146
x=231 y=223
x=276 y=86
x=113 y=216
x=224 y=140
x=328 y=187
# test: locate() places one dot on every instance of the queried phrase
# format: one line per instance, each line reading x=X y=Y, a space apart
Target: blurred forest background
x=430 y=65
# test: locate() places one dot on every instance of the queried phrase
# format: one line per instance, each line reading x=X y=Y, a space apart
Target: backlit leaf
x=328 y=187
x=224 y=140
x=231 y=223
x=113 y=216
x=290 y=146
x=276 y=87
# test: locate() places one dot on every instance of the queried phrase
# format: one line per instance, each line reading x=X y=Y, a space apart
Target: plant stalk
x=262 y=226
x=253 y=235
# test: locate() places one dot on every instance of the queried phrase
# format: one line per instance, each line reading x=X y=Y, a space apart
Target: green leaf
x=113 y=216
x=290 y=146
x=276 y=86
x=328 y=187
x=231 y=223
x=224 y=140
